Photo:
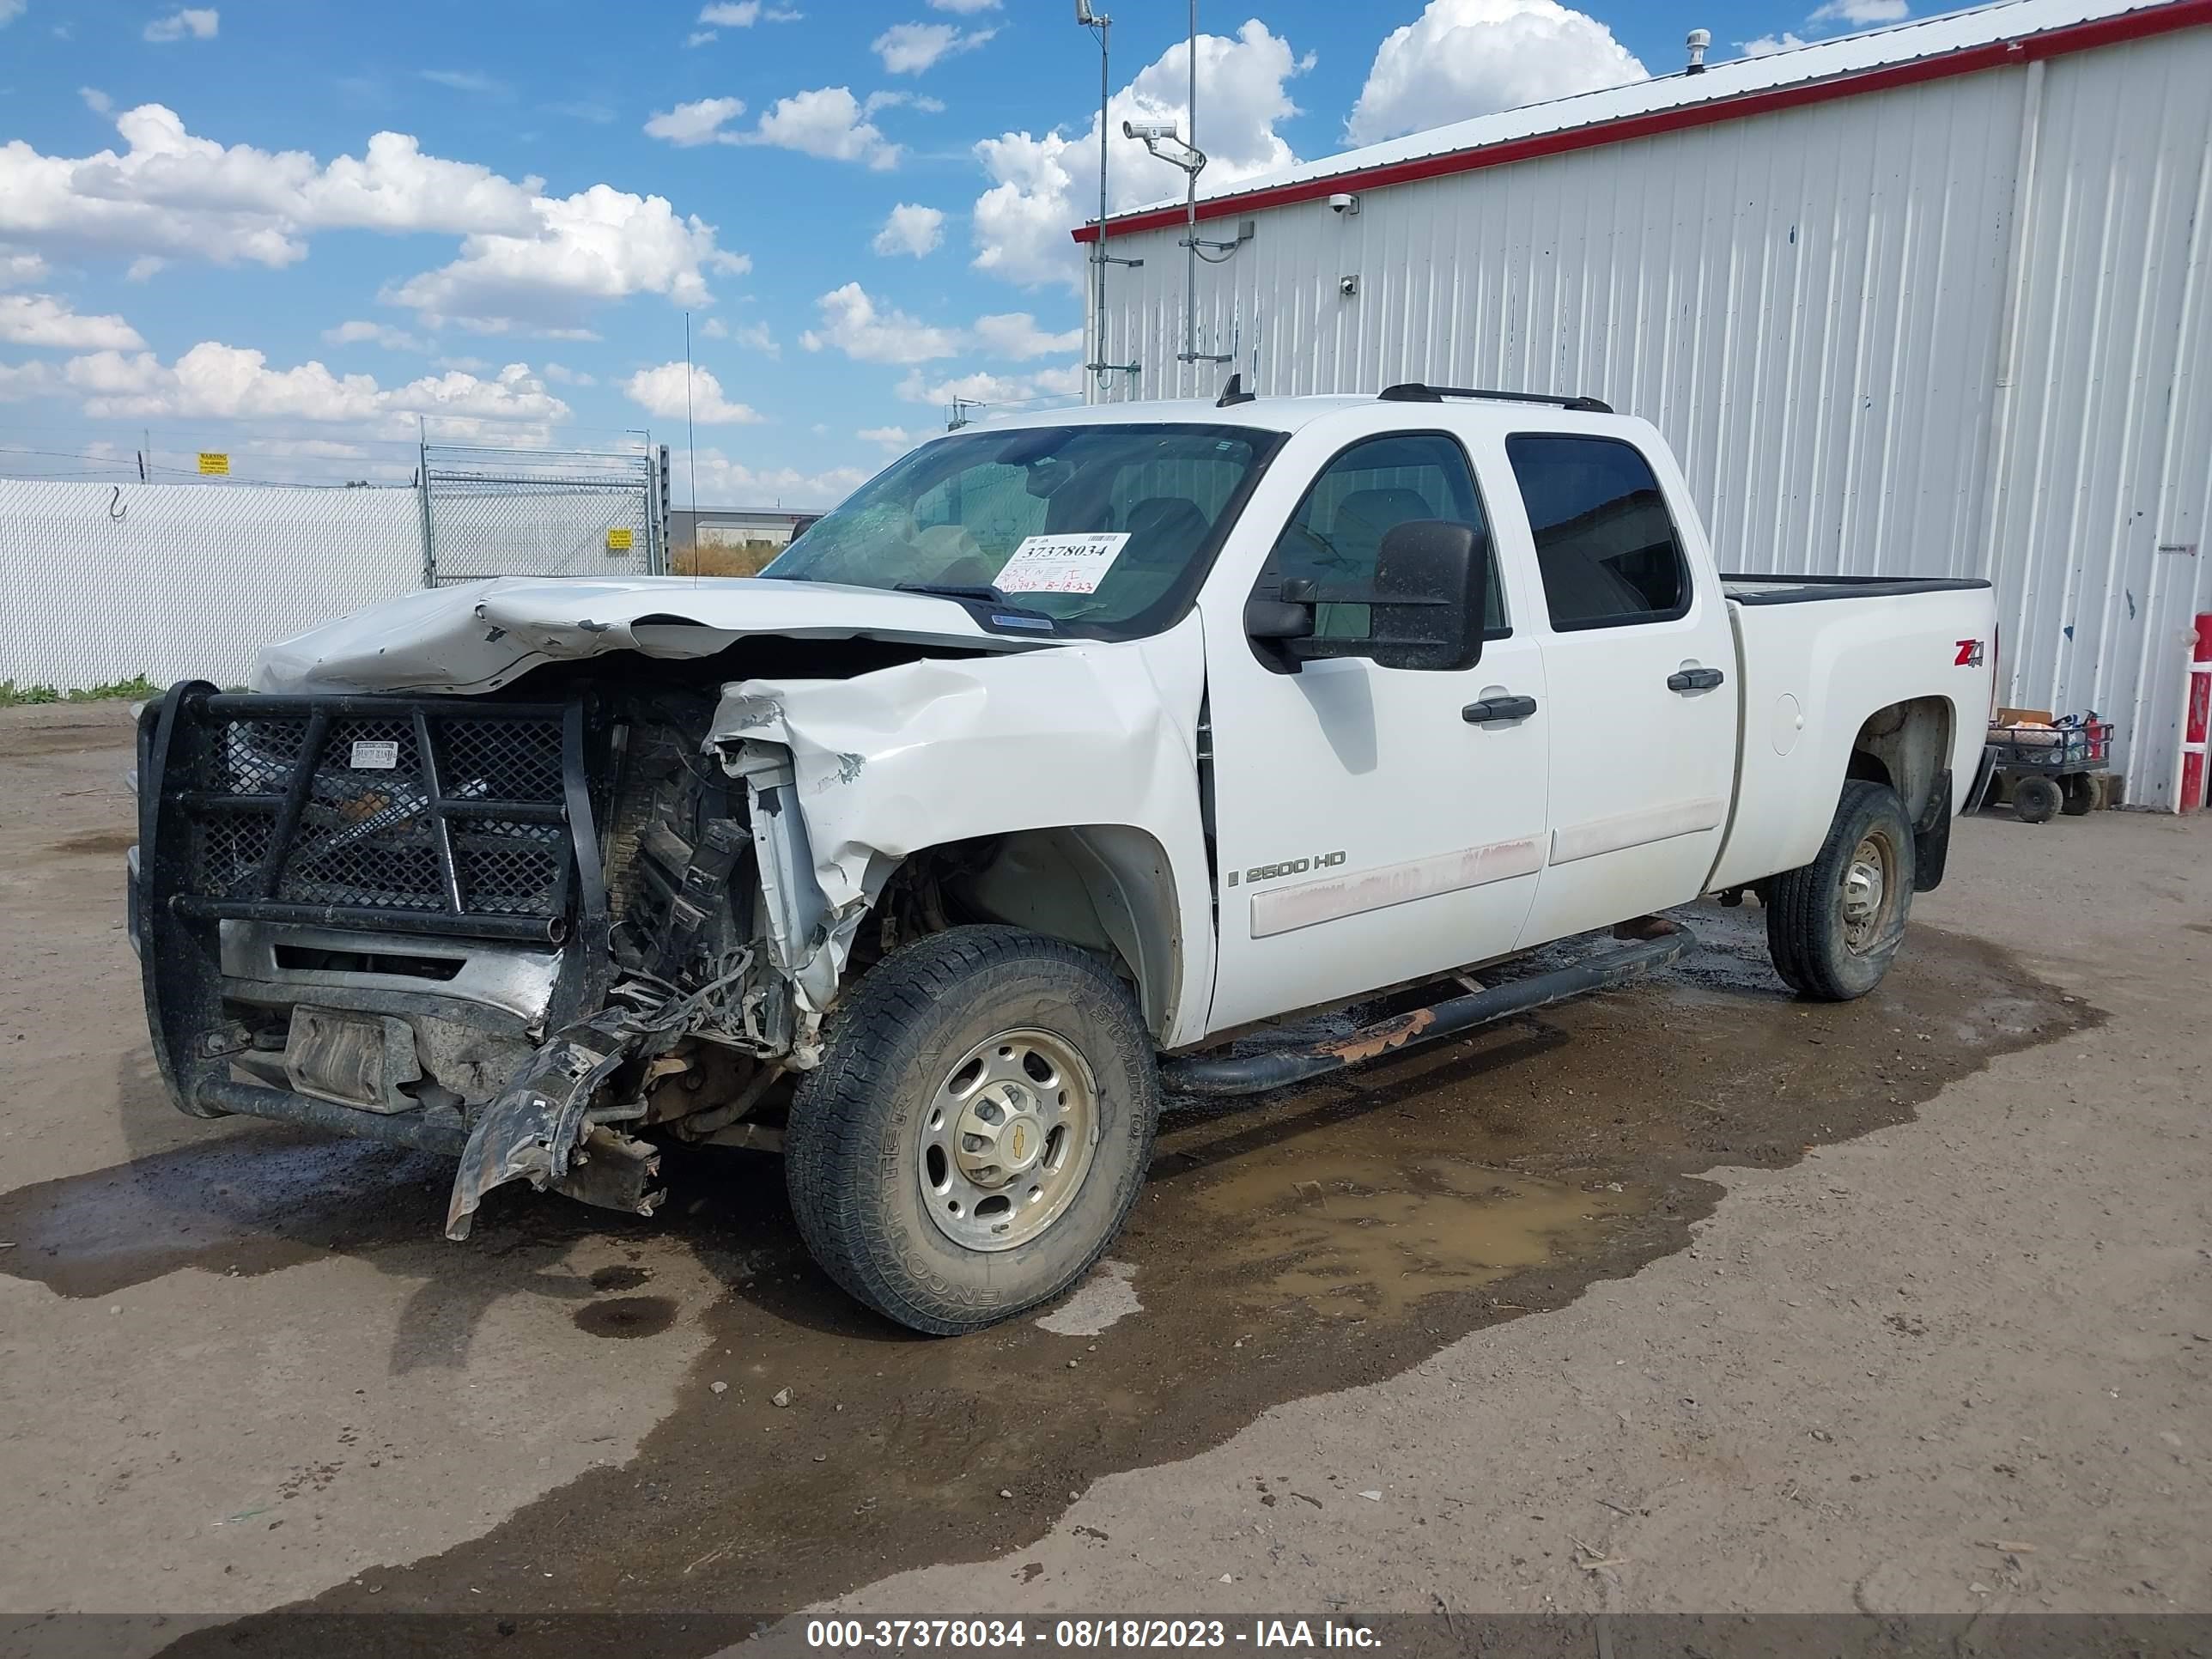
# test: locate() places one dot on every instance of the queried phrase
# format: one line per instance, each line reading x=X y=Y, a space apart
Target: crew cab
x=1055 y=771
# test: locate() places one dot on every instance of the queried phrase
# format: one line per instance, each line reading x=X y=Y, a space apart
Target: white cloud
x=1041 y=184
x=528 y=259
x=16 y=267
x=222 y=382
x=170 y=192
x=901 y=99
x=910 y=48
x=910 y=230
x=700 y=36
x=744 y=14
x=896 y=439
x=1015 y=335
x=597 y=246
x=20 y=381
x=1766 y=45
x=698 y=123
x=96 y=100
x=661 y=393
x=10 y=10
x=828 y=122
x=725 y=482
x=1461 y=58
x=145 y=268
x=358 y=330
x=851 y=323
x=754 y=337
x=466 y=365
x=39 y=320
x=1046 y=385
x=198 y=22
x=561 y=374
x=1860 y=14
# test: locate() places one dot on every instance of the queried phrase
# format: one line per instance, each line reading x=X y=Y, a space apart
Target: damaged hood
x=477 y=636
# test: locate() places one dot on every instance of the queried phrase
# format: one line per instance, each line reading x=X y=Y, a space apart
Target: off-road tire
x=2084 y=793
x=2035 y=799
x=1807 y=934
x=850 y=1151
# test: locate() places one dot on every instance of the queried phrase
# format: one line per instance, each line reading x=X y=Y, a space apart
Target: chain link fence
x=102 y=582
x=542 y=513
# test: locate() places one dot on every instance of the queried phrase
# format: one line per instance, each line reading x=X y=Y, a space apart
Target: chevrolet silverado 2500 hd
x=1050 y=770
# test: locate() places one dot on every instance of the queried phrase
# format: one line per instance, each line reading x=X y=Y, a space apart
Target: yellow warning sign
x=215 y=463
x=618 y=541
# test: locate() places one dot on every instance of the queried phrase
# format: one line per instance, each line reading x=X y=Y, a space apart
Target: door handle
x=1695 y=679
x=1497 y=709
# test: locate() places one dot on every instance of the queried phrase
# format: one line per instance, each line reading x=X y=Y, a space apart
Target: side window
x=1336 y=535
x=1605 y=543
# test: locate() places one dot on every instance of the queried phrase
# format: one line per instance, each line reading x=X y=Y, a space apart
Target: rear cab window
x=1605 y=544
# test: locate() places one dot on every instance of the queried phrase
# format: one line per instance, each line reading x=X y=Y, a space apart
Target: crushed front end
x=516 y=933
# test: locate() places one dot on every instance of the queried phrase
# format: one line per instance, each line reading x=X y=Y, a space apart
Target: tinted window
x=1604 y=541
x=1335 y=537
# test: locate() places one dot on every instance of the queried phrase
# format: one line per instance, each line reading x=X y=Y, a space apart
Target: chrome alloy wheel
x=1869 y=885
x=1007 y=1139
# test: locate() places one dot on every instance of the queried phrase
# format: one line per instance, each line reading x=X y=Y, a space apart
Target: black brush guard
x=454 y=818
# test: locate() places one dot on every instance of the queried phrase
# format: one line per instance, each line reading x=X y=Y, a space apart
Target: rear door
x=1639 y=660
x=1368 y=830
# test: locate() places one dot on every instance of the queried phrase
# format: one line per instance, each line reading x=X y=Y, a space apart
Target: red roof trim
x=1968 y=60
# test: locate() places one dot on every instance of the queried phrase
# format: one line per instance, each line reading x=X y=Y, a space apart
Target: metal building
x=1931 y=299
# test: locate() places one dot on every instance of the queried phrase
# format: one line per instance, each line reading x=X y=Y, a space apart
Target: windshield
x=1105 y=530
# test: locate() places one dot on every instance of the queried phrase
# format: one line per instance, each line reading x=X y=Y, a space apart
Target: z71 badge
x=1970 y=655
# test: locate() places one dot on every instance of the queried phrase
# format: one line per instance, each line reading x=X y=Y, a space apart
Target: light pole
x=1099 y=24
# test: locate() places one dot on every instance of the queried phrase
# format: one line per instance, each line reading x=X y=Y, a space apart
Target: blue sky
x=288 y=231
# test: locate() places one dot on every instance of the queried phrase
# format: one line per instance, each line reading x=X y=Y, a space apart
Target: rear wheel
x=2034 y=800
x=2083 y=792
x=1834 y=925
x=977 y=1131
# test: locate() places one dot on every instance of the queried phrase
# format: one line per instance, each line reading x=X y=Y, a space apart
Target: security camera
x=1148 y=129
x=1342 y=204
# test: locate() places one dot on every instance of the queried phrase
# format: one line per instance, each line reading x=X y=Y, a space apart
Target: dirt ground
x=1684 y=1298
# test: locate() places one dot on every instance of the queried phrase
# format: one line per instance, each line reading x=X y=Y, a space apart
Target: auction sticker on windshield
x=1062 y=564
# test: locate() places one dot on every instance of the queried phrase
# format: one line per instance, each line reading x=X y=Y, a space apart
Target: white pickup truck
x=1056 y=768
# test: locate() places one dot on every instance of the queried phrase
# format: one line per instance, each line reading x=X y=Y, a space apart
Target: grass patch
x=14 y=695
x=727 y=559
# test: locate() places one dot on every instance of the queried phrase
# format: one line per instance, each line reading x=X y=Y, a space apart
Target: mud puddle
x=1311 y=1241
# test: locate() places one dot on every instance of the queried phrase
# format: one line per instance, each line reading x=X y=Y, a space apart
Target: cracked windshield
x=1101 y=529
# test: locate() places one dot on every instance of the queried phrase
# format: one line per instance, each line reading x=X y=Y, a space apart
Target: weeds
x=14 y=695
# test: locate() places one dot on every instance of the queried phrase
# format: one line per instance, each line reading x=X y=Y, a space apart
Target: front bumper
x=270 y=826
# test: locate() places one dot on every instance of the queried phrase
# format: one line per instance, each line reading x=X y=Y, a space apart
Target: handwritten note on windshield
x=1062 y=564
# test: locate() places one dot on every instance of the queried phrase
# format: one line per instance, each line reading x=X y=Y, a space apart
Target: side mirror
x=1432 y=589
x=1424 y=608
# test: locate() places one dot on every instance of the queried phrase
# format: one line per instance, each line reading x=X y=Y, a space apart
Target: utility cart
x=2046 y=766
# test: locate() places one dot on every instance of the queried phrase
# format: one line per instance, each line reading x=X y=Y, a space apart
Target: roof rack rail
x=1412 y=392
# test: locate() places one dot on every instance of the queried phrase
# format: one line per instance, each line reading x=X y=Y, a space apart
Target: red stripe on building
x=1968 y=60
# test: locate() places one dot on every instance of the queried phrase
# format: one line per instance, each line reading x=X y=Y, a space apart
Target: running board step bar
x=1653 y=942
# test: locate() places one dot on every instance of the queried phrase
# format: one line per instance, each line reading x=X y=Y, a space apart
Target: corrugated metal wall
x=1814 y=306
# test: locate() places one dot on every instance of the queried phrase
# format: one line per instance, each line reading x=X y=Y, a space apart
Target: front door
x=1367 y=830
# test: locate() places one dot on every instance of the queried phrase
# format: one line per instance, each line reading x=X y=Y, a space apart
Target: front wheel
x=976 y=1133
x=1834 y=925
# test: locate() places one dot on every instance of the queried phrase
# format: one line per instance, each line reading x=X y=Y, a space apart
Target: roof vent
x=1699 y=41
